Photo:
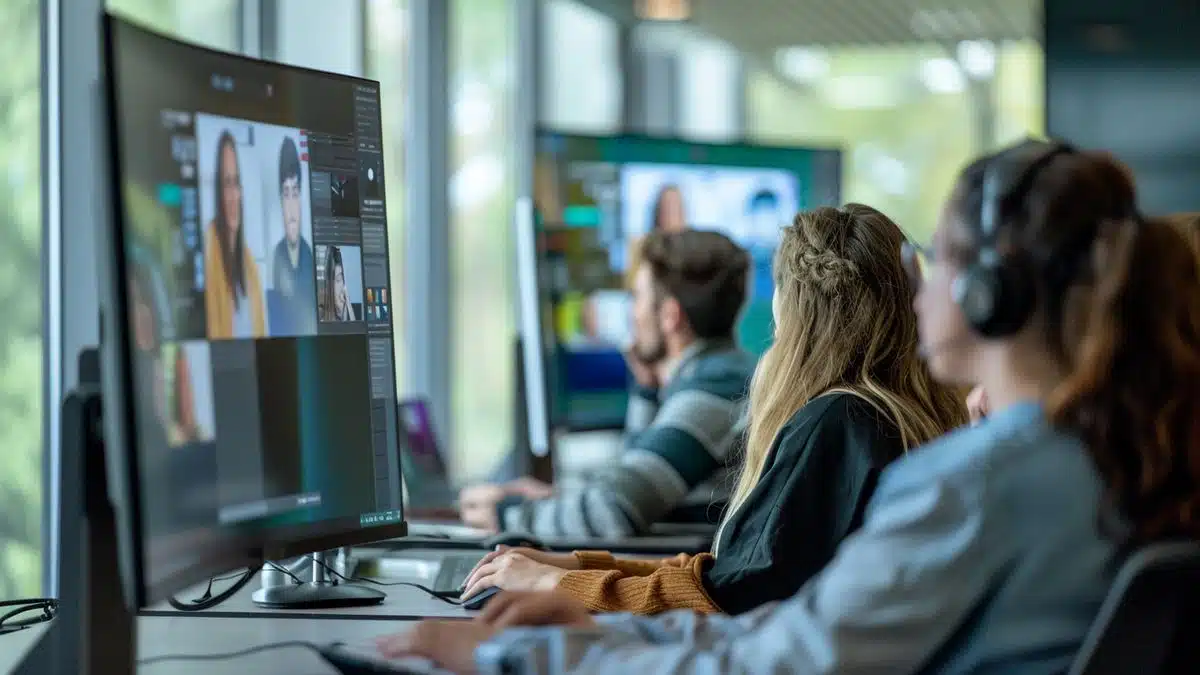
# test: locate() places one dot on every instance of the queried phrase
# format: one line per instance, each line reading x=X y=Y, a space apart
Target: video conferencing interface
x=257 y=276
x=597 y=197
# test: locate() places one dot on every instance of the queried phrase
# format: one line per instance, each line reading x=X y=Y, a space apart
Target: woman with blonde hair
x=840 y=394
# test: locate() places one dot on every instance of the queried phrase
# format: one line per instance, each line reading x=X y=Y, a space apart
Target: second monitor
x=598 y=197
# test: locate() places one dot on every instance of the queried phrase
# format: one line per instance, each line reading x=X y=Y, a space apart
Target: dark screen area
x=263 y=392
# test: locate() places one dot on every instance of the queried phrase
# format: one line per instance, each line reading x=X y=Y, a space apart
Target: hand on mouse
x=534 y=609
x=512 y=571
x=449 y=644
x=563 y=561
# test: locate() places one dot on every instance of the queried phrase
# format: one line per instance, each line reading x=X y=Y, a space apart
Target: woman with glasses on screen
x=992 y=547
x=233 y=293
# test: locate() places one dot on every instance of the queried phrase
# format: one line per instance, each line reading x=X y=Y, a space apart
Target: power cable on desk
x=208 y=600
x=229 y=655
x=365 y=580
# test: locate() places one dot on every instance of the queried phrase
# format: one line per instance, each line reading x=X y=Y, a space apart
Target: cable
x=280 y=568
x=229 y=655
x=364 y=580
x=208 y=600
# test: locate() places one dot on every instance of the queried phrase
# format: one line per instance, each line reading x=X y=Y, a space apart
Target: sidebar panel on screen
x=377 y=308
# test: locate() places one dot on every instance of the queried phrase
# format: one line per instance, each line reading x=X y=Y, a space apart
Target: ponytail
x=1129 y=334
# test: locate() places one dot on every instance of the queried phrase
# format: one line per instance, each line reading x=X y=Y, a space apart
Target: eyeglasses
x=915 y=259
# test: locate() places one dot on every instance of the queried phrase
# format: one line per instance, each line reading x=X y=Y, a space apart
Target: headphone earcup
x=995 y=299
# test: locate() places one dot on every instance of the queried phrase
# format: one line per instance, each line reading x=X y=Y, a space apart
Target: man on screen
x=292 y=264
x=683 y=416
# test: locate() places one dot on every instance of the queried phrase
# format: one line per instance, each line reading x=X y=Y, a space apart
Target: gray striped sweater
x=678 y=438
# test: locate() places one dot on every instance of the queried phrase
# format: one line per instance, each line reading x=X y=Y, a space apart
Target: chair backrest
x=1150 y=621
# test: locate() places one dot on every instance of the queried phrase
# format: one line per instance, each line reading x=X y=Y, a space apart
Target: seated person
x=838 y=396
x=682 y=417
x=991 y=548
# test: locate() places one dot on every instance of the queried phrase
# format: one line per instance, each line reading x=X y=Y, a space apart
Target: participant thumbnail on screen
x=339 y=283
x=287 y=212
x=229 y=168
x=751 y=205
x=190 y=409
x=172 y=380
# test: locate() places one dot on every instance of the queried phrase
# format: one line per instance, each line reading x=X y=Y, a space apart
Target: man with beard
x=683 y=415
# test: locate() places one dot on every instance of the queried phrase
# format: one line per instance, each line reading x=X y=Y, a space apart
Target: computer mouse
x=514 y=540
x=480 y=599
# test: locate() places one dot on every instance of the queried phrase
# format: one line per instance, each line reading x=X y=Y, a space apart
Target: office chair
x=1150 y=621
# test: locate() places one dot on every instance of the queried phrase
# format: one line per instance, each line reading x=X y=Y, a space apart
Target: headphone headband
x=1000 y=184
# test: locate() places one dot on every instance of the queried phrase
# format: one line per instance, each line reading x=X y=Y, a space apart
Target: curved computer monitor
x=250 y=323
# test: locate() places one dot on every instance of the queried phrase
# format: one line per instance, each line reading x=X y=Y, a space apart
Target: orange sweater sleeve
x=603 y=560
x=674 y=583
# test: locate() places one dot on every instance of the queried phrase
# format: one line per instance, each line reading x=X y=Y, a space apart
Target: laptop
x=431 y=509
x=426 y=478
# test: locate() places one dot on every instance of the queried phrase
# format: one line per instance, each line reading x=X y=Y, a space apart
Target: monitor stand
x=322 y=591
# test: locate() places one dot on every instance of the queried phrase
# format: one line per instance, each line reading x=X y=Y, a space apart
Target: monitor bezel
x=243 y=548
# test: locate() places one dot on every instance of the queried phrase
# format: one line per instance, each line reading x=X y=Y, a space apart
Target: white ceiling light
x=977 y=57
x=943 y=76
x=802 y=64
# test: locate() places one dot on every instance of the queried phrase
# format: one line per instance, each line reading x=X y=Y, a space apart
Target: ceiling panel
x=762 y=26
x=765 y=25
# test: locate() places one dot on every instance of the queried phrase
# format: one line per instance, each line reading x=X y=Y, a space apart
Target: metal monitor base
x=322 y=591
x=317 y=596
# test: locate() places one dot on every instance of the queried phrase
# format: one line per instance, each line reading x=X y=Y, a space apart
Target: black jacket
x=822 y=469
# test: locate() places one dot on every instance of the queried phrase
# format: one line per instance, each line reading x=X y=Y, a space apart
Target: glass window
x=482 y=72
x=907 y=118
x=387 y=61
x=580 y=69
x=20 y=278
x=212 y=23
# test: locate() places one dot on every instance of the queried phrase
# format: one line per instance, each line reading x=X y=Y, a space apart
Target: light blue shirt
x=988 y=550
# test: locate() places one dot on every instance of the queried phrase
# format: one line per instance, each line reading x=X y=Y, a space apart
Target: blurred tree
x=20 y=296
x=20 y=284
x=21 y=292
x=903 y=143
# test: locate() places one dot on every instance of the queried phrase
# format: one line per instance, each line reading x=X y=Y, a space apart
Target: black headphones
x=997 y=293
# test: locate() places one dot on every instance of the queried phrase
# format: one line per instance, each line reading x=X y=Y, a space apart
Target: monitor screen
x=598 y=197
x=252 y=249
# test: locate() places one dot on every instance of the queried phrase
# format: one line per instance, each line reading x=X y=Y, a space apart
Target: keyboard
x=363 y=658
x=453 y=573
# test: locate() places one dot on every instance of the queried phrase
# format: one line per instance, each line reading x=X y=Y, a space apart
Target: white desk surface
x=14 y=646
x=187 y=634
